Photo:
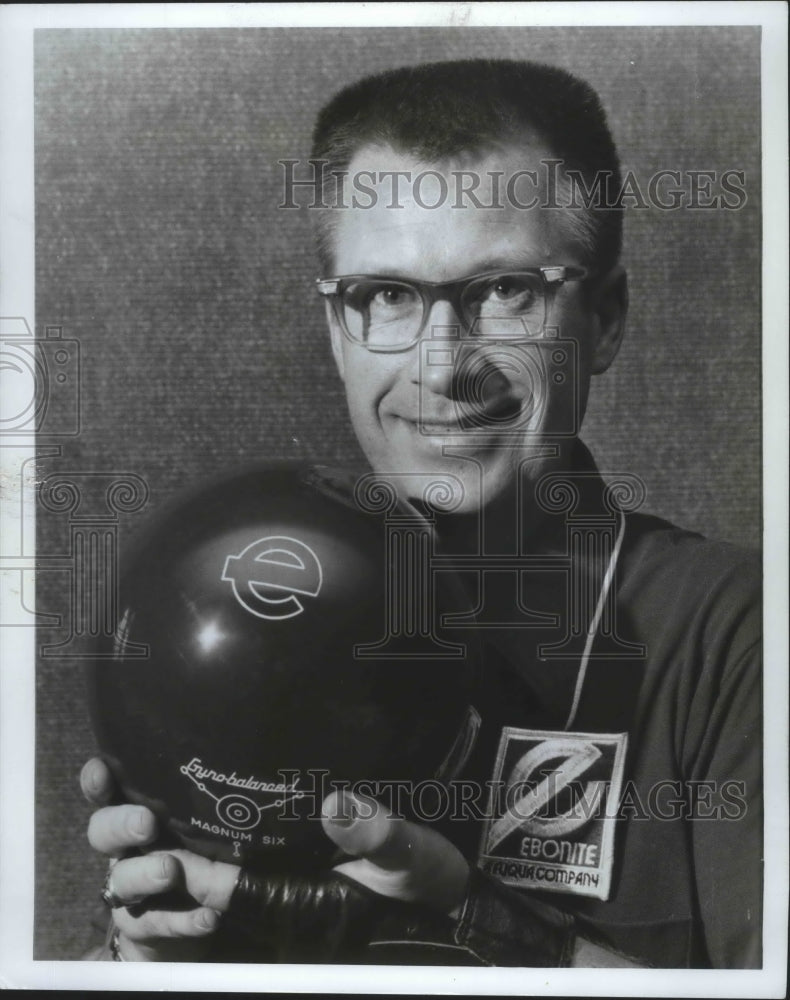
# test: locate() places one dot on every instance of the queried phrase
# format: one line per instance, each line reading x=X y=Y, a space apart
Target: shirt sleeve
x=727 y=817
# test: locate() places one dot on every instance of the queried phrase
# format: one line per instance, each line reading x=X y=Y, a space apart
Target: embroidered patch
x=548 y=826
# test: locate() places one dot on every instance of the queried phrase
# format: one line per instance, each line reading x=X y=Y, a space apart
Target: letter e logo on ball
x=267 y=575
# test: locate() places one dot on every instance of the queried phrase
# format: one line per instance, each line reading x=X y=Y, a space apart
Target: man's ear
x=336 y=336
x=610 y=306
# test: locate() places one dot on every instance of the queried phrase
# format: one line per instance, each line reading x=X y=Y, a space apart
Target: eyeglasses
x=390 y=314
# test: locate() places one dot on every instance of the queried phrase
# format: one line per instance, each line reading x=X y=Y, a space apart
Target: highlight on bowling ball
x=274 y=642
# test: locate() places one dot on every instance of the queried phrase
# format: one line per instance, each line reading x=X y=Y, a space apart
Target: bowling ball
x=275 y=642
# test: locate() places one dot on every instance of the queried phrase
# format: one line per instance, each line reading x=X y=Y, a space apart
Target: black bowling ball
x=243 y=684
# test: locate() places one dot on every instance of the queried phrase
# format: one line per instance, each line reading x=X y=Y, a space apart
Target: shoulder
x=709 y=585
x=657 y=545
x=695 y=605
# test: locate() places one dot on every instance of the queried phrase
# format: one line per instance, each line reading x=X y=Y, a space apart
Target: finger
x=97 y=783
x=135 y=879
x=117 y=829
x=210 y=883
x=396 y=857
x=154 y=925
x=360 y=826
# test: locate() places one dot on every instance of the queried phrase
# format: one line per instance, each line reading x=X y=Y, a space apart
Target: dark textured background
x=161 y=248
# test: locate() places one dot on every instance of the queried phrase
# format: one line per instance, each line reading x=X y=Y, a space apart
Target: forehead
x=442 y=220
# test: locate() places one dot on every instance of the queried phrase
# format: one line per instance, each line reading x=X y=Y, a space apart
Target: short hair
x=437 y=111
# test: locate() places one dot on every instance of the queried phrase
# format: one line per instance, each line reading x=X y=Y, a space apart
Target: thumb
x=97 y=783
x=363 y=827
x=395 y=857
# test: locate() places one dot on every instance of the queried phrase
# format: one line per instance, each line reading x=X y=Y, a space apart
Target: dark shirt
x=680 y=672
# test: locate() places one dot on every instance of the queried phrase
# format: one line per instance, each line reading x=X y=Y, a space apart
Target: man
x=471 y=294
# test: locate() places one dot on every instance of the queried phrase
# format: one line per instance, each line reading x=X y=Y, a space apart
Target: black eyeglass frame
x=433 y=291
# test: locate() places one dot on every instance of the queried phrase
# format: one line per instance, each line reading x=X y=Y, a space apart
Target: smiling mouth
x=501 y=418
x=436 y=428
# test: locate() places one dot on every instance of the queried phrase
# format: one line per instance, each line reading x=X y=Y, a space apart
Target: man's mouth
x=437 y=428
x=466 y=418
x=433 y=424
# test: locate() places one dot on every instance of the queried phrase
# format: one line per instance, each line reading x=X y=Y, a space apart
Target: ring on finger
x=108 y=897
x=111 y=899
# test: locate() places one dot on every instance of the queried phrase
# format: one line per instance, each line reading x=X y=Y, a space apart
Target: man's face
x=520 y=403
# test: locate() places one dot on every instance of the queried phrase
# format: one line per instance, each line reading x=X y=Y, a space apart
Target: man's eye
x=510 y=289
x=391 y=296
x=364 y=296
x=505 y=295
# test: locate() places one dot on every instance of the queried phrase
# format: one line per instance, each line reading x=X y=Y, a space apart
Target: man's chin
x=445 y=485
x=464 y=485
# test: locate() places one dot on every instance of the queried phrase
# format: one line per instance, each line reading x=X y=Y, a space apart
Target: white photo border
x=17 y=684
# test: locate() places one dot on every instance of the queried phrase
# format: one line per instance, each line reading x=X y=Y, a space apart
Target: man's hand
x=173 y=899
x=395 y=857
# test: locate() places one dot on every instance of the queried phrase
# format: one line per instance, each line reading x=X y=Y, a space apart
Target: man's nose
x=434 y=357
